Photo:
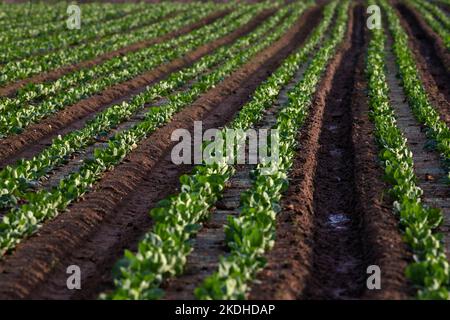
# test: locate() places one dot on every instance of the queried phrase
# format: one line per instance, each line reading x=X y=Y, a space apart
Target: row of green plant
x=430 y=269
x=42 y=205
x=14 y=35
x=93 y=29
x=433 y=22
x=14 y=17
x=426 y=114
x=436 y=12
x=120 y=69
x=16 y=70
x=163 y=252
x=17 y=180
x=252 y=233
x=127 y=66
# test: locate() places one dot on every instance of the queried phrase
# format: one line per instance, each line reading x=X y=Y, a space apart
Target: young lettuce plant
x=430 y=270
x=251 y=234
x=190 y=207
x=17 y=180
x=43 y=205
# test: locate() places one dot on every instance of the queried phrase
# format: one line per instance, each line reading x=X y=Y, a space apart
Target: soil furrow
x=209 y=243
x=10 y=89
x=323 y=246
x=105 y=19
x=113 y=216
x=37 y=136
x=337 y=255
x=433 y=72
x=427 y=164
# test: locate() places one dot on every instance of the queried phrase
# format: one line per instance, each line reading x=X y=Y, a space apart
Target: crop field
x=225 y=150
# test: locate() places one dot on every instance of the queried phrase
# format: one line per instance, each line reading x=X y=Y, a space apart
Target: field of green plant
x=353 y=97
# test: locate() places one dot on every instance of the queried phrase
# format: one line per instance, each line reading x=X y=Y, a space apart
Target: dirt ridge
x=113 y=216
x=291 y=269
x=37 y=136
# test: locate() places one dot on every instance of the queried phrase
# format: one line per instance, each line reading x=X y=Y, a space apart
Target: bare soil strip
x=337 y=254
x=210 y=242
x=55 y=74
x=37 y=136
x=113 y=216
x=433 y=72
x=427 y=163
x=334 y=222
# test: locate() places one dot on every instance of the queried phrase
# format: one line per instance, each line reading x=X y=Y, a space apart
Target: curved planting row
x=121 y=63
x=16 y=70
x=42 y=205
x=440 y=27
x=18 y=179
x=115 y=71
x=252 y=232
x=164 y=251
x=91 y=30
x=413 y=87
x=12 y=15
x=435 y=11
x=40 y=36
x=430 y=270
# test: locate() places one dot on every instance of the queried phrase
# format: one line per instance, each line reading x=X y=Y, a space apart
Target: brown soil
x=112 y=217
x=334 y=221
x=10 y=89
x=338 y=260
x=38 y=136
x=432 y=69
